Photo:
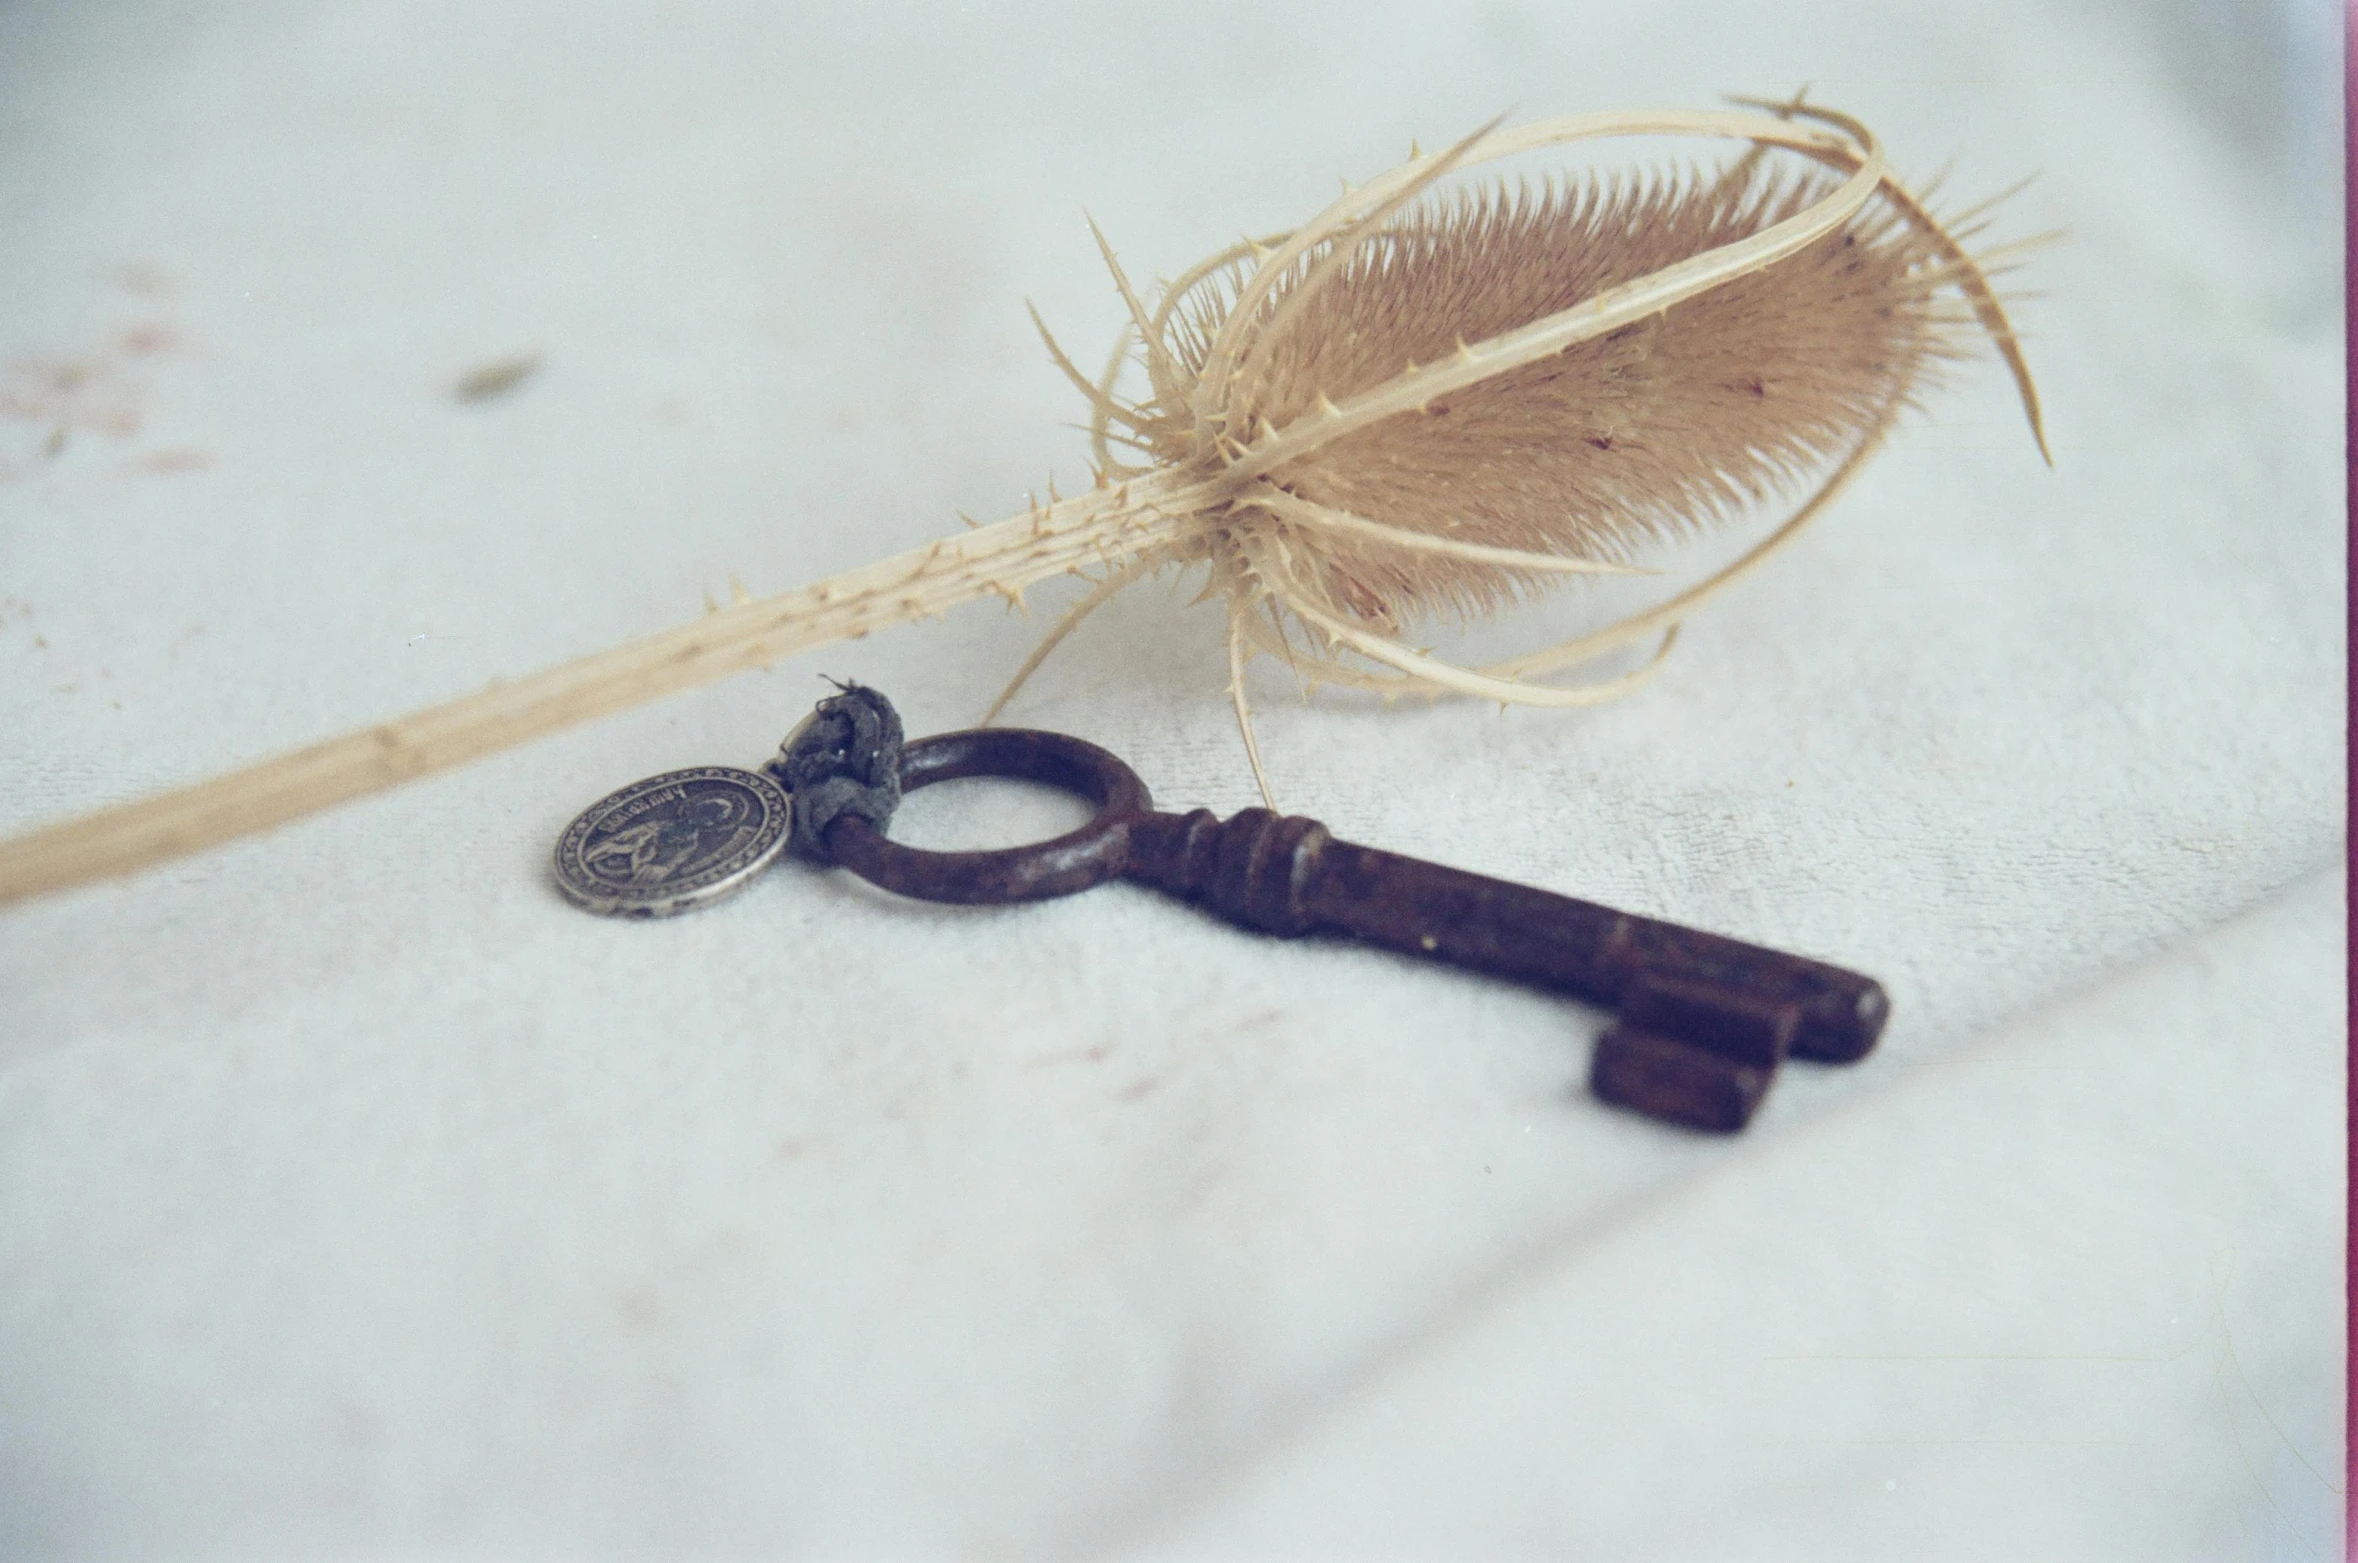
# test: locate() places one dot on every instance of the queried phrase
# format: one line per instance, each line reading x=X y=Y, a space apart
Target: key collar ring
x=1062 y=865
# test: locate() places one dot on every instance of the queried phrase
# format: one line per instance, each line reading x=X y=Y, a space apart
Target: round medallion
x=673 y=842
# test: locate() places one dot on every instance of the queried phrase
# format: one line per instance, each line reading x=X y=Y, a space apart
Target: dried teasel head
x=1419 y=402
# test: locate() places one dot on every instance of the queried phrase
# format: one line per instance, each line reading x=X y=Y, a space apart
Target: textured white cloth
x=360 y=1198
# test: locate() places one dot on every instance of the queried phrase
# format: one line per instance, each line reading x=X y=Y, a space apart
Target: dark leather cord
x=845 y=760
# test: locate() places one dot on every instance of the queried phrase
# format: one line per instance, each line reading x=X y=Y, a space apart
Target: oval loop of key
x=1063 y=865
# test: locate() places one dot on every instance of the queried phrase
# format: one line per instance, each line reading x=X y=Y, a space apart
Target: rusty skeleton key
x=1702 y=1022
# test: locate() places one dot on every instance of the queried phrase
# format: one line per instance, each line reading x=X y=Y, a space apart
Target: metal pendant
x=673 y=842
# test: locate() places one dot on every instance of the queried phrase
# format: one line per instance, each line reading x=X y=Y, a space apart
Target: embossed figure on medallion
x=681 y=834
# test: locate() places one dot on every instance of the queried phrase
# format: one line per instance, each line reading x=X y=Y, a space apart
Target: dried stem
x=1004 y=558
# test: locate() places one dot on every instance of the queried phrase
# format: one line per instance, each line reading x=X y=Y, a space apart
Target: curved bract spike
x=1448 y=675
x=1219 y=361
x=1097 y=598
x=1969 y=280
x=1244 y=709
x=1185 y=282
x=1294 y=508
x=1157 y=360
x=1346 y=242
x=1267 y=634
x=1099 y=424
x=1101 y=402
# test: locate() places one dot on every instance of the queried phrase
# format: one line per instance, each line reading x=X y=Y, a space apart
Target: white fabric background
x=359 y=1198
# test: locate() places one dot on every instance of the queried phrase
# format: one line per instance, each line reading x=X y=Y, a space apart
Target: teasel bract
x=1420 y=402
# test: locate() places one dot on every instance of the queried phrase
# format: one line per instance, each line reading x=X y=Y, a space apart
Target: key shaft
x=1288 y=875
